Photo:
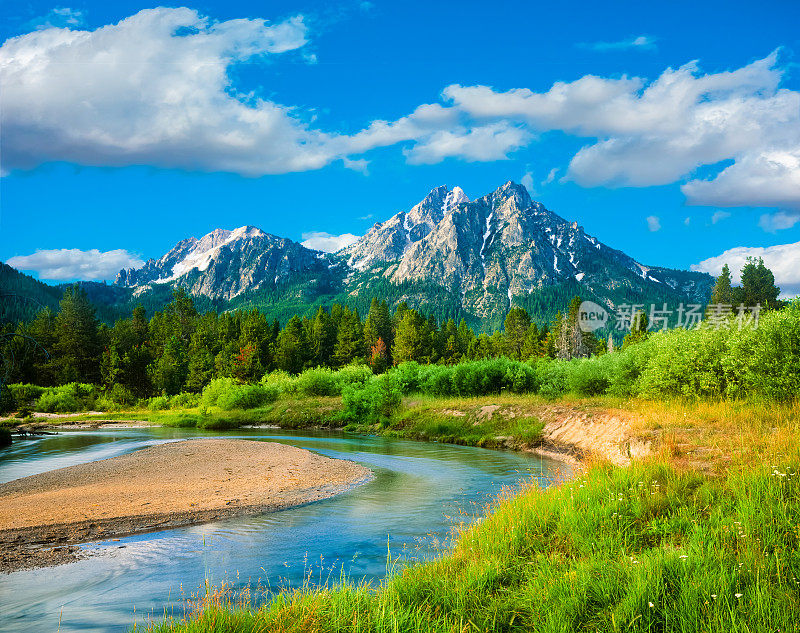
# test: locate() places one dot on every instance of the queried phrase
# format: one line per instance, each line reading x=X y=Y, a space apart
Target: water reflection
x=417 y=488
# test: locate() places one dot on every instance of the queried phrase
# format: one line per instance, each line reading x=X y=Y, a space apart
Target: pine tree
x=323 y=338
x=77 y=343
x=292 y=349
x=127 y=356
x=432 y=341
x=349 y=339
x=378 y=325
x=758 y=285
x=517 y=324
x=409 y=340
x=451 y=345
x=534 y=343
x=639 y=326
x=555 y=347
x=723 y=293
x=33 y=365
x=181 y=314
x=247 y=364
x=379 y=357
x=465 y=337
x=168 y=372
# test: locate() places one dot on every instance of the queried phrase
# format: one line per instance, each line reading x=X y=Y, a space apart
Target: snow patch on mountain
x=454 y=198
x=486 y=235
x=207 y=249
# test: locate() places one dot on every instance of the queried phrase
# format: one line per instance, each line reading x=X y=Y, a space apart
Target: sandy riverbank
x=164 y=486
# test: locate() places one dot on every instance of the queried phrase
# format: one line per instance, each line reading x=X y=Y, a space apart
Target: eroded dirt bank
x=604 y=433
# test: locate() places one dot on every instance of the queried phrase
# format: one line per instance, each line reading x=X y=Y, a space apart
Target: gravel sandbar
x=164 y=486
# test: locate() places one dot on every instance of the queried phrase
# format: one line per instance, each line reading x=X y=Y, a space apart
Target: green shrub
x=624 y=367
x=374 y=401
x=7 y=402
x=159 y=403
x=587 y=377
x=521 y=378
x=280 y=380
x=121 y=395
x=58 y=402
x=25 y=394
x=765 y=361
x=353 y=375
x=470 y=378
x=246 y=397
x=213 y=390
x=685 y=363
x=552 y=377
x=436 y=380
x=184 y=401
x=407 y=376
x=5 y=437
x=318 y=382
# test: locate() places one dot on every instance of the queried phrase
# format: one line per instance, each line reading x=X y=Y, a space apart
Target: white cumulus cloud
x=71 y=263
x=481 y=143
x=653 y=223
x=769 y=178
x=152 y=89
x=326 y=242
x=659 y=132
x=783 y=260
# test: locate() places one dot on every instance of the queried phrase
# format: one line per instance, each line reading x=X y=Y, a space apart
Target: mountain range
x=448 y=255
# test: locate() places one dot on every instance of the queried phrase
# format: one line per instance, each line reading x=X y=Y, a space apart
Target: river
x=420 y=491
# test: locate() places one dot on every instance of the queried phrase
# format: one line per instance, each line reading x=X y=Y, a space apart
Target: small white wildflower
x=713 y=595
x=737 y=595
x=683 y=556
x=650 y=604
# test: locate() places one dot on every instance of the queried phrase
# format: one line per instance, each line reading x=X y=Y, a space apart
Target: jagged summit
x=482 y=256
x=501 y=247
x=224 y=263
x=386 y=241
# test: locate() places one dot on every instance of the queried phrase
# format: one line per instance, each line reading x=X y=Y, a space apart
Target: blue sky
x=125 y=131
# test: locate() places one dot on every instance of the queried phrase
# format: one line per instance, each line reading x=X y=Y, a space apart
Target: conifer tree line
x=179 y=349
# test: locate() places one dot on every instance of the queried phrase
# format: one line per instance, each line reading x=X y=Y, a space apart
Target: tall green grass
x=641 y=549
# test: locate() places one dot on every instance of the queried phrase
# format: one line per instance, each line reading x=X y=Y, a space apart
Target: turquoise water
x=419 y=492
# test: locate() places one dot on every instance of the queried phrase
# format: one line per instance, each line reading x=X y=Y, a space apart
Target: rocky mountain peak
x=511 y=196
x=225 y=263
x=388 y=241
x=434 y=207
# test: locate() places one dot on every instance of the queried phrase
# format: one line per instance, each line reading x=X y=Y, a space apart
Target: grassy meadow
x=701 y=535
